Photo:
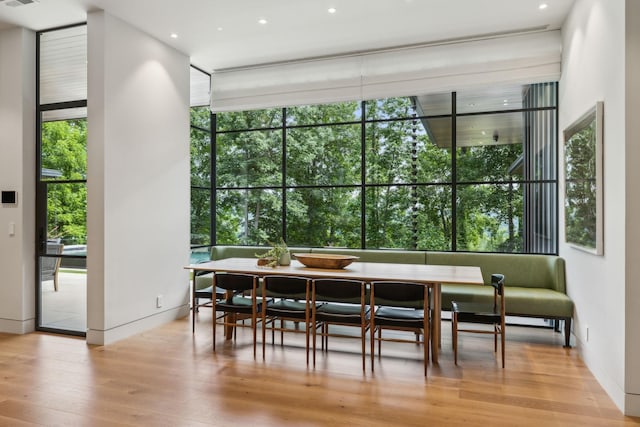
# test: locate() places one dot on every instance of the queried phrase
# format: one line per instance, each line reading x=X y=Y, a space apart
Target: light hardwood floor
x=169 y=377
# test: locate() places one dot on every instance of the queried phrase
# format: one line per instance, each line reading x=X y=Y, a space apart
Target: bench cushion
x=519 y=301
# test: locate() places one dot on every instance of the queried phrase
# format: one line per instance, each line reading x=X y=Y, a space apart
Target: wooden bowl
x=332 y=261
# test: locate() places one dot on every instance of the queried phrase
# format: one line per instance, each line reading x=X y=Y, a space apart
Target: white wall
x=632 y=197
x=593 y=69
x=17 y=173
x=138 y=180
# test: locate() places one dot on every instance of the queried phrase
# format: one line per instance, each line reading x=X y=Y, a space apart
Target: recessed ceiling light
x=174 y=36
x=219 y=28
x=332 y=10
x=543 y=6
x=262 y=21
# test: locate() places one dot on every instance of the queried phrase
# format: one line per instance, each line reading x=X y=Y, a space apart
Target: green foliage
x=64 y=150
x=580 y=201
x=408 y=181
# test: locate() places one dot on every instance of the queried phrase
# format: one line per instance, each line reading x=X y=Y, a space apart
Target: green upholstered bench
x=534 y=284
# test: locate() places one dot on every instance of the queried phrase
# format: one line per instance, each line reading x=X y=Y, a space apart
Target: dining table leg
x=436 y=323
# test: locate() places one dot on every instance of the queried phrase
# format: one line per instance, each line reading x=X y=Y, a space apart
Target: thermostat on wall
x=9 y=197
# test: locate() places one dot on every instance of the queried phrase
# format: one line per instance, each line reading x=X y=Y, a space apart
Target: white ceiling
x=219 y=34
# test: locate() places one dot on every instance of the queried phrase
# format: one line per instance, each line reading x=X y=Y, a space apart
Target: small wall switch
x=159 y=301
x=586 y=334
x=12 y=229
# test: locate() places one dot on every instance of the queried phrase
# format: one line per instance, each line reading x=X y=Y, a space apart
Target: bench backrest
x=523 y=270
x=378 y=255
x=222 y=252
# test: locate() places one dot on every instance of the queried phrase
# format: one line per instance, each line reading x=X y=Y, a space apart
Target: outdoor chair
x=50 y=265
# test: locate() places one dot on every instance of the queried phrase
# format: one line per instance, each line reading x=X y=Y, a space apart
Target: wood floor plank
x=167 y=376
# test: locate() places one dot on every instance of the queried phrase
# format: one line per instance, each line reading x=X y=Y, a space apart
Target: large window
x=466 y=171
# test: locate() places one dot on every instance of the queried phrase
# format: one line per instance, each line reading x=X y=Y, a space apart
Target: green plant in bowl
x=278 y=254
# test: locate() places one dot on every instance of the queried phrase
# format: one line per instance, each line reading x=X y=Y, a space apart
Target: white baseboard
x=10 y=326
x=632 y=405
x=106 y=337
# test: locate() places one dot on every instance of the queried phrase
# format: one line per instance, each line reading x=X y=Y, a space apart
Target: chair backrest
x=497 y=281
x=235 y=283
x=49 y=265
x=286 y=285
x=399 y=292
x=339 y=290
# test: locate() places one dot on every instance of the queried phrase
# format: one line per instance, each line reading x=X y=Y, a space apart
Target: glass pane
x=201 y=254
x=404 y=151
x=326 y=155
x=540 y=227
x=433 y=220
x=493 y=98
x=64 y=150
x=509 y=97
x=201 y=117
x=200 y=158
x=541 y=142
x=324 y=217
x=249 y=159
x=391 y=108
x=63 y=294
x=489 y=147
x=65 y=114
x=411 y=217
x=433 y=104
x=489 y=218
x=200 y=217
x=63 y=65
x=67 y=216
x=254 y=119
x=200 y=88
x=326 y=113
x=390 y=217
x=248 y=217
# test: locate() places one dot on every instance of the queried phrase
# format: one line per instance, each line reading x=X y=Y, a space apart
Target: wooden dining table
x=428 y=275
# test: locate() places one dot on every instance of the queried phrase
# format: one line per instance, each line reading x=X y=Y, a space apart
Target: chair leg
x=363 y=335
x=254 y=322
x=264 y=334
x=315 y=333
x=281 y=332
x=372 y=340
x=502 y=342
x=454 y=336
x=214 y=330
x=567 y=332
x=496 y=331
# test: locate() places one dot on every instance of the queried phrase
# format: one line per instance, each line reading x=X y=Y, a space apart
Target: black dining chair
x=288 y=299
x=339 y=302
x=401 y=306
x=484 y=313
x=240 y=302
x=205 y=293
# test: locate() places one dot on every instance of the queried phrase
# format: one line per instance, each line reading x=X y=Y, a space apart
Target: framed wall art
x=583 y=207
